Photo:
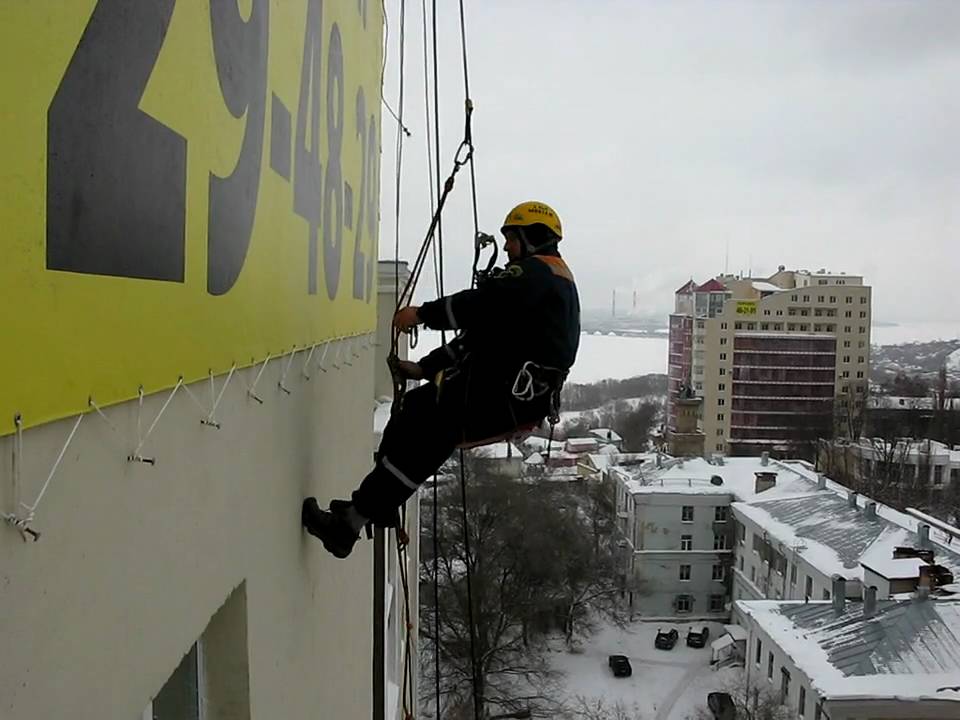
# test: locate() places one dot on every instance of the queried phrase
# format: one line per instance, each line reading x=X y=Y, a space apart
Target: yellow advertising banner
x=187 y=186
x=746 y=307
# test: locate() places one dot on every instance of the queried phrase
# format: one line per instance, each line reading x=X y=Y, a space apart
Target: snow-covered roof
x=606 y=434
x=906 y=650
x=893 y=568
x=534 y=459
x=761 y=286
x=580 y=445
x=602 y=460
x=497 y=451
x=693 y=476
x=834 y=536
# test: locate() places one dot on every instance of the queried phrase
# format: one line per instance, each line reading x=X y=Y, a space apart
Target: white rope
x=306 y=363
x=323 y=355
x=22 y=522
x=283 y=377
x=142 y=439
x=31 y=509
x=252 y=390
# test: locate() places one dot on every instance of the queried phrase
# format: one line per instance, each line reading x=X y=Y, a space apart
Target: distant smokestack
x=839 y=594
x=870 y=510
x=923 y=535
x=870 y=601
x=764 y=458
x=852 y=499
x=821 y=481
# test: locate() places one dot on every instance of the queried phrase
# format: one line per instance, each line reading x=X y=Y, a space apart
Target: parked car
x=666 y=640
x=722 y=706
x=620 y=666
x=697 y=637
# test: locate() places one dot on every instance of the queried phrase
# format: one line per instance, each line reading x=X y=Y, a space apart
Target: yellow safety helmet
x=533 y=213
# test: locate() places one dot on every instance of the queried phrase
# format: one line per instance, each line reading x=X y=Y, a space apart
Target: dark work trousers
x=429 y=426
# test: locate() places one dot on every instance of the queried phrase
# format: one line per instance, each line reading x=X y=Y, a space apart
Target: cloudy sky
x=679 y=138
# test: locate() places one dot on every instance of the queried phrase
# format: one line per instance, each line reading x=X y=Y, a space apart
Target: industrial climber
x=517 y=337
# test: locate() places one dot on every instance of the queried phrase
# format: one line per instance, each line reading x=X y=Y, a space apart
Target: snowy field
x=622 y=356
x=665 y=685
x=600 y=356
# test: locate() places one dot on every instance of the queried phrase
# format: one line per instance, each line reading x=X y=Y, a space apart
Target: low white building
x=837 y=660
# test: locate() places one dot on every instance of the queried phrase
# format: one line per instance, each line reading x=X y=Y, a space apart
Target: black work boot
x=330 y=526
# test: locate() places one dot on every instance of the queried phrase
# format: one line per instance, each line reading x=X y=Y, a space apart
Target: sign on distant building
x=746 y=307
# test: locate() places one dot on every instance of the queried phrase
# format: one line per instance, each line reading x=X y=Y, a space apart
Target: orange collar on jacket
x=556 y=265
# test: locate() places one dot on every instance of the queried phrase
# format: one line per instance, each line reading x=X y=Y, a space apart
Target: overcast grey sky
x=809 y=134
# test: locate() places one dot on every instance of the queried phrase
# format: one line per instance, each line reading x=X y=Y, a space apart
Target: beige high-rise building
x=778 y=361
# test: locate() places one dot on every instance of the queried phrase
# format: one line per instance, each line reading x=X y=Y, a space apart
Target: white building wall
x=135 y=559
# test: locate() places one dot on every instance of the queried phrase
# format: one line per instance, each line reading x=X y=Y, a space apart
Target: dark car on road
x=666 y=640
x=620 y=666
x=722 y=706
x=697 y=637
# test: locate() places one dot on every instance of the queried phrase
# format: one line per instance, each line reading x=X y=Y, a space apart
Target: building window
x=720 y=513
x=804 y=313
x=723 y=356
x=820 y=298
x=723 y=326
x=784 y=685
x=791 y=312
x=766 y=312
x=848 y=314
x=721 y=402
x=738 y=326
x=685 y=572
x=723 y=341
x=721 y=447
x=718 y=573
x=806 y=298
x=719 y=541
x=720 y=416
x=847 y=328
x=686 y=542
x=826 y=594
x=721 y=387
x=804 y=327
x=845 y=374
x=863 y=313
x=723 y=371
x=764 y=326
x=793 y=298
x=753 y=574
x=686 y=513
x=759 y=651
x=849 y=299
x=741 y=563
x=791 y=326
x=802 y=702
x=863 y=300
x=859 y=375
x=831 y=327
x=808 y=587
x=684 y=603
x=862 y=330
x=938 y=474
x=846 y=358
x=770 y=666
x=861 y=358
x=846 y=343
x=833 y=299
x=716 y=603
x=719 y=432
x=793 y=575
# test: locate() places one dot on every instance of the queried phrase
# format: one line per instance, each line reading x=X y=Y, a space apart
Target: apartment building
x=837 y=660
x=774 y=359
x=674 y=517
x=926 y=462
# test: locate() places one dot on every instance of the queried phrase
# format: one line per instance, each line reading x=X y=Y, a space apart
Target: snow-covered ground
x=665 y=685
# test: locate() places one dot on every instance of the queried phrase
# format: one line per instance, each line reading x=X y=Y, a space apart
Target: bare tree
x=534 y=568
